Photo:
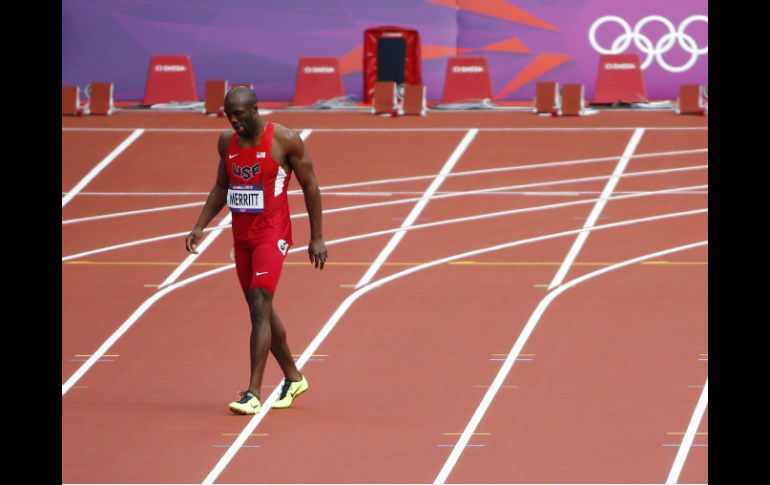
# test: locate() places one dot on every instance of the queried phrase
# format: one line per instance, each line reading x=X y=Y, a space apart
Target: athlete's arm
x=216 y=200
x=299 y=160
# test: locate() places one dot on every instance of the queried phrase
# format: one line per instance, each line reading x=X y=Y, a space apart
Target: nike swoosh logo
x=260 y=274
x=232 y=156
x=296 y=391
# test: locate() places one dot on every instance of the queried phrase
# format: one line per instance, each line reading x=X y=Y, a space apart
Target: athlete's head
x=241 y=110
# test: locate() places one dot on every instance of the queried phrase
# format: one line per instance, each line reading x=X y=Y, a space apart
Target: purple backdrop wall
x=261 y=42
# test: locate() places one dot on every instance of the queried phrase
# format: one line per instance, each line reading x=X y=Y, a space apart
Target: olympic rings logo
x=644 y=44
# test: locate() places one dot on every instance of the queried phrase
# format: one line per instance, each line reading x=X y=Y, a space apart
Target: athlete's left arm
x=299 y=159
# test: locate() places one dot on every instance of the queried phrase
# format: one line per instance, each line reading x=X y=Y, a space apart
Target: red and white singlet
x=257 y=194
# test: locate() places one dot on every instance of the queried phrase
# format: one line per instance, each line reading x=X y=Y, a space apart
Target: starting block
x=170 y=80
x=384 y=99
x=619 y=80
x=70 y=101
x=467 y=78
x=100 y=100
x=690 y=101
x=414 y=99
x=318 y=79
x=215 y=97
x=546 y=97
x=571 y=100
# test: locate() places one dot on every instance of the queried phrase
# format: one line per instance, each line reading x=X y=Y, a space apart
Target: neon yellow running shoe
x=248 y=404
x=289 y=391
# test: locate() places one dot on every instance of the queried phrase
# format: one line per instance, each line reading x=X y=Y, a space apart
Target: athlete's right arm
x=217 y=197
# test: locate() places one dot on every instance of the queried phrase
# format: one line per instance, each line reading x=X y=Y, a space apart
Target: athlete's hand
x=317 y=252
x=192 y=240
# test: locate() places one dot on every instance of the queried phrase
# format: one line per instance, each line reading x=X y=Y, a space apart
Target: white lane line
x=192 y=257
x=342 y=309
x=325 y=190
x=577 y=245
x=131 y=213
x=519 y=345
x=689 y=435
x=418 y=208
x=105 y=347
x=142 y=194
x=141 y=310
x=129 y=244
x=416 y=178
x=101 y=166
x=426 y=225
x=491 y=190
x=490 y=215
x=511 y=168
x=114 y=247
x=350 y=208
x=545 y=193
x=440 y=194
x=416 y=130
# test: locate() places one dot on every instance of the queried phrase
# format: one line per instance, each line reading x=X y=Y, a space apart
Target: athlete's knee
x=260 y=305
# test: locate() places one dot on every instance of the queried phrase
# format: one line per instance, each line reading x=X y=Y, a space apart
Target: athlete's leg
x=260 y=303
x=280 y=348
x=266 y=265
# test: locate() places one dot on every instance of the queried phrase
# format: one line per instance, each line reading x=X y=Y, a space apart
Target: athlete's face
x=243 y=118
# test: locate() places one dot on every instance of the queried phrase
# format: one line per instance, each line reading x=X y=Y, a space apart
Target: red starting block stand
x=414 y=100
x=384 y=98
x=467 y=78
x=215 y=97
x=100 y=100
x=170 y=79
x=318 y=78
x=70 y=101
x=619 y=80
x=546 y=97
x=572 y=102
x=690 y=101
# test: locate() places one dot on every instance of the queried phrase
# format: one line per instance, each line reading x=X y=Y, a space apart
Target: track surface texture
x=508 y=298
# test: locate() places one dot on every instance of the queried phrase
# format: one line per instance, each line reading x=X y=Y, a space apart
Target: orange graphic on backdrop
x=352 y=61
x=497 y=8
x=509 y=45
x=432 y=51
x=542 y=64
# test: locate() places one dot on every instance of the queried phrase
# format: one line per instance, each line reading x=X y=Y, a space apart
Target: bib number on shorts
x=248 y=199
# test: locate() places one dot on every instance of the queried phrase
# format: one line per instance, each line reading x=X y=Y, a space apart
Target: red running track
x=602 y=391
